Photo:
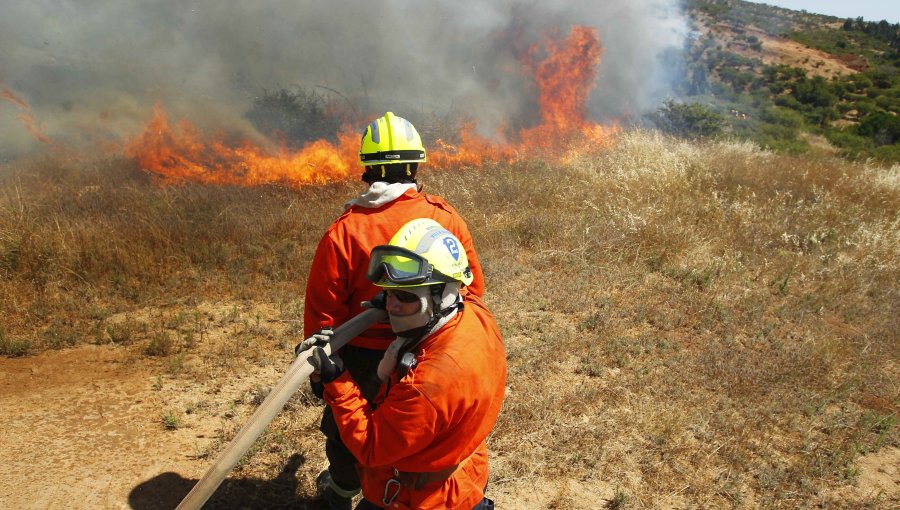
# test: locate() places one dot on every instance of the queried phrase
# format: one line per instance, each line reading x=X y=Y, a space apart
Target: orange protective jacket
x=437 y=416
x=337 y=281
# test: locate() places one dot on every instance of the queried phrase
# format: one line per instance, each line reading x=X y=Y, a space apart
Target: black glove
x=378 y=301
x=318 y=339
x=328 y=369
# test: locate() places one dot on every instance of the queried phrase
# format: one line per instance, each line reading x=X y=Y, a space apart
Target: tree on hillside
x=881 y=30
x=814 y=92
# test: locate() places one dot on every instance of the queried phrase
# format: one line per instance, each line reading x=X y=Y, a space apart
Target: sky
x=870 y=10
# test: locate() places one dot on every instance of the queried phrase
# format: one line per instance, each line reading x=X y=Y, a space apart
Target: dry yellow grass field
x=688 y=325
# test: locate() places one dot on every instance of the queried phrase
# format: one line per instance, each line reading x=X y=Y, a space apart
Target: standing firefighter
x=421 y=444
x=390 y=152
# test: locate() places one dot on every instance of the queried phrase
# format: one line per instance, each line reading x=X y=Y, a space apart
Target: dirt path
x=81 y=430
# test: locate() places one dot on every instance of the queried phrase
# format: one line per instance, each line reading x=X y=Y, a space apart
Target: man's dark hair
x=391 y=173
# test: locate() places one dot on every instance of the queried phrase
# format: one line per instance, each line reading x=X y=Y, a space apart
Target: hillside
x=785 y=78
x=688 y=325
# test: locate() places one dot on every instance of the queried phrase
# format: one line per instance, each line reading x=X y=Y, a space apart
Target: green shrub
x=886 y=103
x=881 y=128
x=786 y=145
x=788 y=101
x=850 y=143
x=58 y=336
x=690 y=120
x=13 y=347
x=866 y=107
x=171 y=420
x=815 y=92
x=162 y=344
x=887 y=153
x=783 y=117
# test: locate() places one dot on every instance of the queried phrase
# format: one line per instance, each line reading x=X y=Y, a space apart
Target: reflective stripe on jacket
x=337 y=278
x=437 y=416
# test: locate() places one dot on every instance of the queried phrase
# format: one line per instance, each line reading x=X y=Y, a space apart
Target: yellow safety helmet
x=391 y=139
x=421 y=253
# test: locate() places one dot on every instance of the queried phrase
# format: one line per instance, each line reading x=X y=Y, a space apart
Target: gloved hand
x=378 y=301
x=319 y=338
x=328 y=369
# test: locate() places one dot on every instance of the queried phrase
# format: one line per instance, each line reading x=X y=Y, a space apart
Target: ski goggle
x=395 y=265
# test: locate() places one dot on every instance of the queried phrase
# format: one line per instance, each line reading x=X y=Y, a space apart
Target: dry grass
x=697 y=325
x=82 y=240
x=712 y=321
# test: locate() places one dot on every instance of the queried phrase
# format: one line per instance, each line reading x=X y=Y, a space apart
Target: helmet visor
x=396 y=265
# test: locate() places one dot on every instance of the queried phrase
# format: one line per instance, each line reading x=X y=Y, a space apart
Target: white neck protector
x=426 y=311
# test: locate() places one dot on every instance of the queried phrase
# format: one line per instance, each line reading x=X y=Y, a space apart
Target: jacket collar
x=380 y=193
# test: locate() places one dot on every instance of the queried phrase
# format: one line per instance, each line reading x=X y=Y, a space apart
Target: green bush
x=161 y=344
x=887 y=103
x=866 y=107
x=13 y=347
x=861 y=82
x=881 y=128
x=851 y=144
x=887 y=153
x=788 y=101
x=844 y=107
x=785 y=145
x=690 y=120
x=814 y=92
x=783 y=117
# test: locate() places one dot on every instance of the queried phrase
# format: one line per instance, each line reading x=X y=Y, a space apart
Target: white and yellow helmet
x=421 y=253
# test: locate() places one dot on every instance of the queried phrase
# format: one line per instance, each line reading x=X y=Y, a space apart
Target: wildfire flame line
x=564 y=70
x=181 y=154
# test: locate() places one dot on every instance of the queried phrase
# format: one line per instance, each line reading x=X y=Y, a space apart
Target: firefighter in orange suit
x=390 y=152
x=421 y=444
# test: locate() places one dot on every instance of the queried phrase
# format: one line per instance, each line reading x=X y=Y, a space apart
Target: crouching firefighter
x=421 y=443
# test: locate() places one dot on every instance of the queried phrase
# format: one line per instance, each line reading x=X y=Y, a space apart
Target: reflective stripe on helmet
x=376 y=134
x=392 y=156
x=427 y=240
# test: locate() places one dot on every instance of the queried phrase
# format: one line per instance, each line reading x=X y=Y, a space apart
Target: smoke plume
x=92 y=71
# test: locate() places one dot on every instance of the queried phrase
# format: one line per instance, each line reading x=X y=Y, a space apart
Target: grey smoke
x=93 y=69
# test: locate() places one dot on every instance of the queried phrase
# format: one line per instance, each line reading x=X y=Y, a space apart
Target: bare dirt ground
x=818 y=63
x=83 y=428
x=777 y=50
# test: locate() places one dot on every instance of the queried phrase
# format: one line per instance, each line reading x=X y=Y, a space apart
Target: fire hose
x=290 y=382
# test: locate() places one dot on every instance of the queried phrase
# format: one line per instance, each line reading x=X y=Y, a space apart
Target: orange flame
x=564 y=70
x=26 y=116
x=181 y=154
x=565 y=77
